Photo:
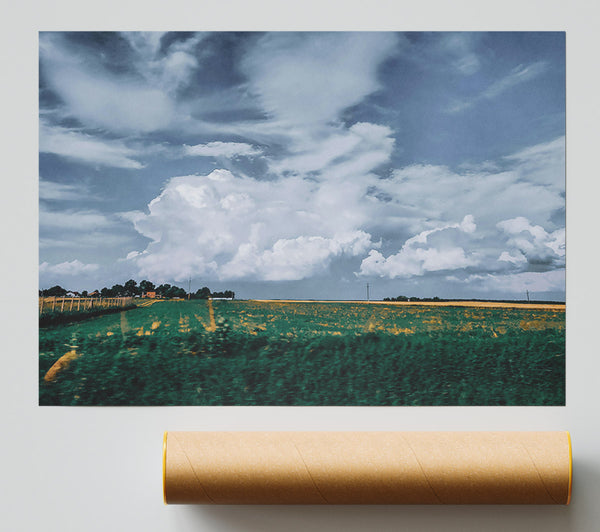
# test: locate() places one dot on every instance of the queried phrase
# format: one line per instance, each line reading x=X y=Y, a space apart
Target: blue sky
x=305 y=165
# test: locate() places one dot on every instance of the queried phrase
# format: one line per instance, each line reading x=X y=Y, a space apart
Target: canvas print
x=310 y=218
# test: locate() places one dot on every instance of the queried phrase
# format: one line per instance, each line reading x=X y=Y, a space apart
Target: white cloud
x=517 y=258
x=99 y=98
x=73 y=220
x=222 y=149
x=519 y=74
x=74 y=267
x=50 y=190
x=518 y=283
x=168 y=69
x=98 y=240
x=304 y=82
x=533 y=242
x=226 y=226
x=418 y=256
x=84 y=147
x=233 y=227
x=338 y=153
x=458 y=47
x=423 y=192
x=310 y=78
x=543 y=163
x=145 y=43
x=294 y=258
x=417 y=202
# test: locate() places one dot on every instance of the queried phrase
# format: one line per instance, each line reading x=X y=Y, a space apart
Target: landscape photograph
x=302 y=218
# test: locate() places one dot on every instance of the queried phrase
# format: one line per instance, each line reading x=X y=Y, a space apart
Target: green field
x=307 y=353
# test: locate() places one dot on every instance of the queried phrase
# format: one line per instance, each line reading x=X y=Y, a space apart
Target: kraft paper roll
x=367 y=467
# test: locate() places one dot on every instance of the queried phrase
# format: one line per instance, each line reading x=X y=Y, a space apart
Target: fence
x=81 y=304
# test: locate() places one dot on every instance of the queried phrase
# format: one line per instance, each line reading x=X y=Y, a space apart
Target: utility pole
x=527 y=295
x=367 y=291
x=190 y=288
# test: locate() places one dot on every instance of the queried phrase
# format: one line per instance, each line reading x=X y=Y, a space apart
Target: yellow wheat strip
x=211 y=314
x=479 y=304
x=61 y=364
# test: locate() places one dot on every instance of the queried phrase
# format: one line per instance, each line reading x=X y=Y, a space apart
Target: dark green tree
x=131 y=288
x=202 y=293
x=57 y=291
x=146 y=286
x=118 y=290
x=175 y=291
x=163 y=289
x=106 y=292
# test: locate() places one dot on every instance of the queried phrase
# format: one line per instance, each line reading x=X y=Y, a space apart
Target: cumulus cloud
x=418 y=256
x=226 y=226
x=81 y=146
x=294 y=258
x=74 y=267
x=222 y=149
x=236 y=227
x=311 y=210
x=415 y=201
x=532 y=243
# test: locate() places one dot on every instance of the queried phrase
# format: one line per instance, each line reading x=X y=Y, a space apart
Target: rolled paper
x=367 y=467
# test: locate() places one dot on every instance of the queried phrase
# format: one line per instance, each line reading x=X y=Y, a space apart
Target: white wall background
x=97 y=469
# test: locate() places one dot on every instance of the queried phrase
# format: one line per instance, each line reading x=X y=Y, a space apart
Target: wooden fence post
x=42 y=306
x=53 y=303
x=71 y=307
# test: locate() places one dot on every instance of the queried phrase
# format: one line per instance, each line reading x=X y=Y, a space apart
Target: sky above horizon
x=305 y=165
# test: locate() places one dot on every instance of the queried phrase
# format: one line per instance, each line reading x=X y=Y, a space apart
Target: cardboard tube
x=367 y=467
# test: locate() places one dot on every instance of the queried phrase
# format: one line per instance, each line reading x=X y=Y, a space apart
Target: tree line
x=132 y=289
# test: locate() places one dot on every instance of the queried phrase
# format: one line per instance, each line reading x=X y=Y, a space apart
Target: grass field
x=307 y=353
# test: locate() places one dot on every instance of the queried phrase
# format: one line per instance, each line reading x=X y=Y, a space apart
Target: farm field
x=307 y=353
